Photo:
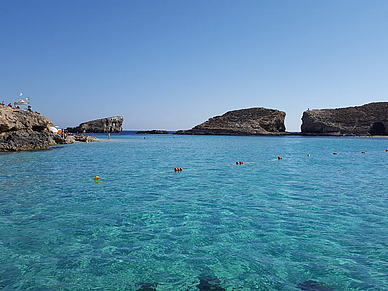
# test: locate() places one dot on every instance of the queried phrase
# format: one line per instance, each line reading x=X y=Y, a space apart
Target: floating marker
x=363 y=152
x=334 y=153
x=97 y=178
x=280 y=158
x=308 y=155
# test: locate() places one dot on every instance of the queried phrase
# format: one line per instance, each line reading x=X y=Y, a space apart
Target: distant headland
x=252 y=121
x=367 y=120
x=154 y=131
x=104 y=125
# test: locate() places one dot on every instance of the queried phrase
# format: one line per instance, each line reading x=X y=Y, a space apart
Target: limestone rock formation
x=68 y=139
x=369 y=119
x=103 y=125
x=24 y=130
x=252 y=121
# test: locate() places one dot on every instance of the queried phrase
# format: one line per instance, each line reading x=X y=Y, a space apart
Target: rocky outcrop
x=104 y=125
x=155 y=131
x=252 y=121
x=24 y=130
x=369 y=119
x=68 y=139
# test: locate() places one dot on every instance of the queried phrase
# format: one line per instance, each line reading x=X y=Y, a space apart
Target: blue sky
x=174 y=64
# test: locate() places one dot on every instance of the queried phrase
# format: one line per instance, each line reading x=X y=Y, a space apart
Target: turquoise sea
x=268 y=224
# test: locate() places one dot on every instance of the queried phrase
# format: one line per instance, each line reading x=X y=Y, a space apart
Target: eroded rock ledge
x=24 y=130
x=366 y=120
x=252 y=121
x=103 y=125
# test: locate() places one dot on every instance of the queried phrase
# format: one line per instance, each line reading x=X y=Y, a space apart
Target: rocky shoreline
x=28 y=130
x=25 y=130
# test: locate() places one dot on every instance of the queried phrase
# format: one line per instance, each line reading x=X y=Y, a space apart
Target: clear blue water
x=268 y=224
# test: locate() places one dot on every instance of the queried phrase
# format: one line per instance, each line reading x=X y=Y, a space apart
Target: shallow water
x=268 y=224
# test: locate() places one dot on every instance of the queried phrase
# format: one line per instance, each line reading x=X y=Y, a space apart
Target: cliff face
x=104 y=125
x=23 y=130
x=369 y=119
x=252 y=121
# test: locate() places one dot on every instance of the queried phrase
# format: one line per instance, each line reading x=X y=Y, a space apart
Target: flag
x=21 y=94
x=28 y=98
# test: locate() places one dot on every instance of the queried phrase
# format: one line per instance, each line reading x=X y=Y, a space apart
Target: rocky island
x=365 y=120
x=103 y=125
x=252 y=121
x=154 y=131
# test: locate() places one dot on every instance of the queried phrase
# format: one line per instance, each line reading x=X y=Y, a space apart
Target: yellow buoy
x=97 y=178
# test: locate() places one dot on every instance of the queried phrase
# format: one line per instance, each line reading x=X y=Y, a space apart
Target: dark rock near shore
x=68 y=139
x=369 y=119
x=311 y=285
x=103 y=125
x=153 y=132
x=24 y=130
x=209 y=282
x=252 y=121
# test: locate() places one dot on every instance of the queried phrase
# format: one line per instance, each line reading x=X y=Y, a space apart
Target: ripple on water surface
x=317 y=222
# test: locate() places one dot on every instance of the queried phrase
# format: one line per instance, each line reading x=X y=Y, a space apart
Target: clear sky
x=173 y=64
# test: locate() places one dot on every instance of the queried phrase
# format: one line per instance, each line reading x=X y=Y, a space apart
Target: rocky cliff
x=369 y=119
x=24 y=130
x=252 y=121
x=104 y=125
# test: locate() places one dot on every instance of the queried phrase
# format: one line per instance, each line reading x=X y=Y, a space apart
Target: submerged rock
x=252 y=121
x=103 y=125
x=147 y=286
x=24 y=130
x=369 y=119
x=311 y=285
x=209 y=282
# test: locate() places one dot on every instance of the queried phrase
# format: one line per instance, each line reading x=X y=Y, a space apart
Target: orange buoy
x=280 y=158
x=237 y=163
x=363 y=152
x=308 y=155
x=241 y=163
x=180 y=169
x=334 y=153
